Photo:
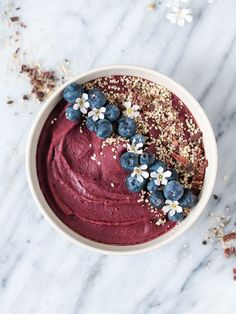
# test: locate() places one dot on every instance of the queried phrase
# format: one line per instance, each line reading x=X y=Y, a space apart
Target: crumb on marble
x=151 y=6
x=43 y=82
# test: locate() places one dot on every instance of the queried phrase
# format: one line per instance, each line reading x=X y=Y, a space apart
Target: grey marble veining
x=40 y=271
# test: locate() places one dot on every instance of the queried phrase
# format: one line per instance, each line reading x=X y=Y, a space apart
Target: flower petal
x=188 y=18
x=85 y=96
x=91 y=113
x=127 y=104
x=83 y=110
x=95 y=118
x=135 y=114
x=153 y=174
x=171 y=18
x=145 y=174
x=164 y=182
x=135 y=107
x=179 y=209
x=167 y=174
x=139 y=145
x=172 y=212
x=160 y=169
x=133 y=174
x=139 y=178
x=166 y=209
x=181 y=22
x=157 y=182
x=76 y=106
x=169 y=202
x=186 y=11
x=143 y=167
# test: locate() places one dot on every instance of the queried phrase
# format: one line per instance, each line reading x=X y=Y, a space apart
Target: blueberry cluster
x=103 y=117
x=166 y=192
x=145 y=171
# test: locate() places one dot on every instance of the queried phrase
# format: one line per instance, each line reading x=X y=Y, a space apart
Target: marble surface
x=40 y=271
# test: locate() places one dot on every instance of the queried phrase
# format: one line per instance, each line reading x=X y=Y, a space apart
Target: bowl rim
x=210 y=152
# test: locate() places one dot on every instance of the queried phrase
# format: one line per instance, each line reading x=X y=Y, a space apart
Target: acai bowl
x=121 y=159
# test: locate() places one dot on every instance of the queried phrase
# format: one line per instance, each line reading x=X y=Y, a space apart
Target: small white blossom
x=172 y=207
x=140 y=173
x=82 y=104
x=160 y=175
x=135 y=148
x=97 y=114
x=131 y=111
x=179 y=16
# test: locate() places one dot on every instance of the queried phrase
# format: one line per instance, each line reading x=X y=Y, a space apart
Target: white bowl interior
x=210 y=152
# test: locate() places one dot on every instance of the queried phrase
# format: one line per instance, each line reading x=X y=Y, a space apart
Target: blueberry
x=177 y=217
x=188 y=200
x=96 y=98
x=157 y=199
x=173 y=191
x=103 y=128
x=134 y=185
x=112 y=112
x=147 y=159
x=128 y=161
x=138 y=138
x=174 y=175
x=90 y=124
x=157 y=164
x=126 y=127
x=151 y=186
x=72 y=114
x=72 y=91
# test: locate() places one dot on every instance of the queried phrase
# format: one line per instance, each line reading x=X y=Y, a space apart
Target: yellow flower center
x=160 y=176
x=129 y=111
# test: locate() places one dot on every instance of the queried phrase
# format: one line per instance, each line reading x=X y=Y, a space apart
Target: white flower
x=161 y=176
x=140 y=173
x=172 y=207
x=81 y=103
x=97 y=114
x=180 y=16
x=130 y=111
x=135 y=148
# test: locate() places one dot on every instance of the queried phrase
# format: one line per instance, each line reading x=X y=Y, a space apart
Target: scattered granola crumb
x=17 y=50
x=217 y=235
x=25 y=97
x=151 y=6
x=14 y=18
x=43 y=82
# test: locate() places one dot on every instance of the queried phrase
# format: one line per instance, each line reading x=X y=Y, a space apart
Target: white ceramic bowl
x=210 y=151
